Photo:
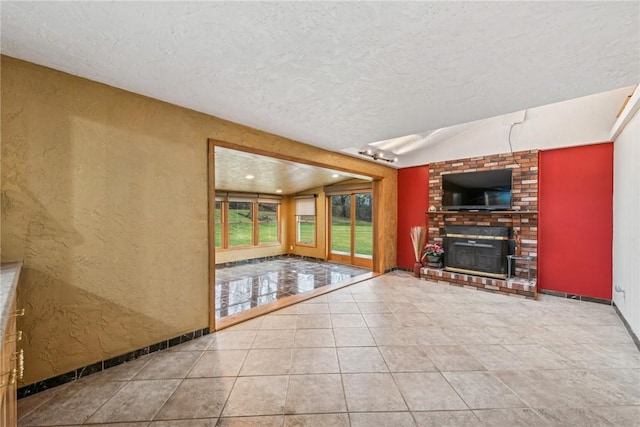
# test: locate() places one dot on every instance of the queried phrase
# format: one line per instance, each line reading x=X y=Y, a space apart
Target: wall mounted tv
x=486 y=190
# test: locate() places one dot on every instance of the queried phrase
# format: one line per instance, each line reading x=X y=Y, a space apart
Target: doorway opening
x=351 y=228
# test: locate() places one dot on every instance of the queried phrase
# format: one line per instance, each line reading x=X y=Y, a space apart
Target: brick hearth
x=522 y=218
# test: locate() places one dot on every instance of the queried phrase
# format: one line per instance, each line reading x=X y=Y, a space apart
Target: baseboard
x=634 y=337
x=576 y=297
x=76 y=374
x=263 y=259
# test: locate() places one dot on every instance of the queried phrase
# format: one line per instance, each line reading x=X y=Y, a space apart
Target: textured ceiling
x=337 y=75
x=270 y=174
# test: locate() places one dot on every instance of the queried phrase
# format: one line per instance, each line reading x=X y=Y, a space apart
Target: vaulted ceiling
x=338 y=75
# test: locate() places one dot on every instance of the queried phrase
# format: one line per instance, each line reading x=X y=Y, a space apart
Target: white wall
x=579 y=121
x=626 y=231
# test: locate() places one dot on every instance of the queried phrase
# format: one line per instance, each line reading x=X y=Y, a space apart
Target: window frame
x=306 y=213
x=225 y=199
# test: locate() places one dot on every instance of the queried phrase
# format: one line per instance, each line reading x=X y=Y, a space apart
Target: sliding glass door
x=351 y=229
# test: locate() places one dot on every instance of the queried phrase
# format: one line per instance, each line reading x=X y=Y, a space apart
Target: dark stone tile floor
x=243 y=287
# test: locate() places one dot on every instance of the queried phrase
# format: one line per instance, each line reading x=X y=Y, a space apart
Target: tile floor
x=390 y=351
x=241 y=288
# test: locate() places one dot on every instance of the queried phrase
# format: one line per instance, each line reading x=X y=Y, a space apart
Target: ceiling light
x=335 y=175
x=377 y=155
x=249 y=177
x=278 y=191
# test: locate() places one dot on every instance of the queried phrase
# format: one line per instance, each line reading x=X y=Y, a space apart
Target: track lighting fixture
x=378 y=155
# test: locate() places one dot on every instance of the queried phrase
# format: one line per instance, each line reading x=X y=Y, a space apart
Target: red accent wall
x=576 y=220
x=413 y=203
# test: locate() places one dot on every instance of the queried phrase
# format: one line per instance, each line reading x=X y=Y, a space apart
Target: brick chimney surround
x=522 y=219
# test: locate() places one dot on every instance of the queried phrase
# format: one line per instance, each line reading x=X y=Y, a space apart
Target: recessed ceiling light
x=249 y=177
x=278 y=191
x=335 y=175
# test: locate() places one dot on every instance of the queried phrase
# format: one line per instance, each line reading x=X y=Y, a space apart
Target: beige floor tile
x=521 y=417
x=291 y=310
x=382 y=320
x=196 y=344
x=407 y=359
x=414 y=319
x=139 y=424
x=446 y=419
x=453 y=358
x=317 y=420
x=564 y=388
x=381 y=419
x=168 y=365
x=481 y=390
x=314 y=338
x=537 y=356
x=343 y=307
x=136 y=401
x=373 y=307
x=266 y=421
x=314 y=361
x=366 y=297
x=536 y=390
x=224 y=363
x=322 y=299
x=276 y=361
x=372 y=392
x=339 y=297
x=361 y=359
x=403 y=307
x=428 y=391
x=211 y=422
x=72 y=405
x=314 y=321
x=233 y=340
x=575 y=366
x=249 y=325
x=123 y=372
x=315 y=394
x=561 y=417
x=313 y=308
x=347 y=321
x=395 y=336
x=279 y=322
x=197 y=398
x=496 y=358
x=626 y=380
x=257 y=396
x=395 y=297
x=433 y=335
x=29 y=404
x=353 y=337
x=623 y=416
x=274 y=339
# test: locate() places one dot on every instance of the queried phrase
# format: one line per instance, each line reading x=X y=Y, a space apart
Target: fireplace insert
x=477 y=250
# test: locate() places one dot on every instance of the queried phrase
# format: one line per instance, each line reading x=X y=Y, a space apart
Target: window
x=240 y=224
x=246 y=220
x=267 y=223
x=306 y=220
x=217 y=221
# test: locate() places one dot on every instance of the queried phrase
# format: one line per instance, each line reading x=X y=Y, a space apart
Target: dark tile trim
x=105 y=364
x=576 y=297
x=634 y=337
x=263 y=259
x=398 y=269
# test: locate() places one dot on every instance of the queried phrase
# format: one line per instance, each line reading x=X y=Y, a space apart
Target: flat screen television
x=486 y=190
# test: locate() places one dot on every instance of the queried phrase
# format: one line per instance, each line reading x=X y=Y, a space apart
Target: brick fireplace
x=521 y=221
